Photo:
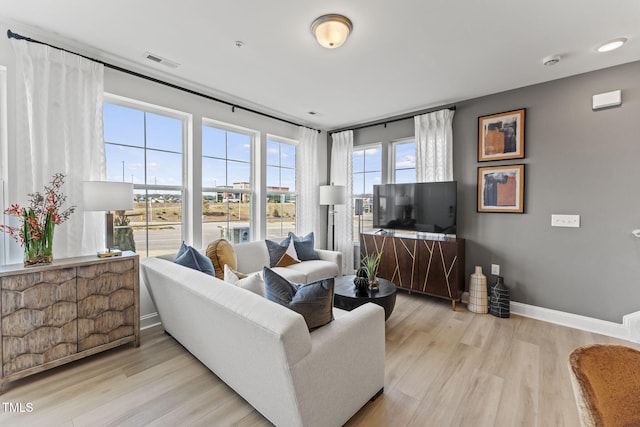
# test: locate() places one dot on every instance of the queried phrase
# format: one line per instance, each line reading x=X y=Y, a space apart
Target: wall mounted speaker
x=359 y=208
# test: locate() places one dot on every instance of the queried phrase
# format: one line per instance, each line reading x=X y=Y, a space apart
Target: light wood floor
x=443 y=368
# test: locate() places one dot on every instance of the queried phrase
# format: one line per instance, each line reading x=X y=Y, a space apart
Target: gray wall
x=577 y=162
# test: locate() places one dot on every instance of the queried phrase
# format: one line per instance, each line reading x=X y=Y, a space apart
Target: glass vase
x=38 y=249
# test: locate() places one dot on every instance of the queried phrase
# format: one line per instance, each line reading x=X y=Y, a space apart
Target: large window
x=144 y=146
x=367 y=172
x=404 y=161
x=281 y=187
x=227 y=184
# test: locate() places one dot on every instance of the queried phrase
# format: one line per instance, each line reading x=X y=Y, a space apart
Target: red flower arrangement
x=38 y=221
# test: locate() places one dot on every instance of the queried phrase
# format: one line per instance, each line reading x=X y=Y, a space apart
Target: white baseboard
x=149 y=320
x=628 y=330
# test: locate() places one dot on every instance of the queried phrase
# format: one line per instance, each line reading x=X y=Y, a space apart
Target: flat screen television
x=422 y=206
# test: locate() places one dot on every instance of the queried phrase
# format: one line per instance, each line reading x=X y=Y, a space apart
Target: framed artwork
x=501 y=136
x=501 y=189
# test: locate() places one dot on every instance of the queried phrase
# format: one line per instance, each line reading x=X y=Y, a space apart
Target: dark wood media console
x=432 y=267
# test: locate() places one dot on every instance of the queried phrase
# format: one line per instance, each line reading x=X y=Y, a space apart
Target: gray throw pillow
x=314 y=301
x=189 y=257
x=277 y=251
x=304 y=246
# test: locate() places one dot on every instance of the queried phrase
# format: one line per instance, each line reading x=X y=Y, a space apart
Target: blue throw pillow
x=314 y=301
x=189 y=257
x=304 y=246
x=182 y=250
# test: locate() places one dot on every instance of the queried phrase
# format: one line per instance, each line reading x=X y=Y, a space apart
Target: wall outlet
x=495 y=269
x=572 y=221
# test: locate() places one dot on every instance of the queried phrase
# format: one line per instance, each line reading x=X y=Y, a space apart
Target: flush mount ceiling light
x=612 y=45
x=331 y=30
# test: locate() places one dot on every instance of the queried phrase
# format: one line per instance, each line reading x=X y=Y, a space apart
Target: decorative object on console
x=38 y=222
x=108 y=196
x=331 y=195
x=371 y=262
x=501 y=136
x=501 y=189
x=478 y=292
x=500 y=301
x=314 y=301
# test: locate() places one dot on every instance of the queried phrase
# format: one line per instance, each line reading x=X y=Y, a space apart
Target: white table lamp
x=108 y=196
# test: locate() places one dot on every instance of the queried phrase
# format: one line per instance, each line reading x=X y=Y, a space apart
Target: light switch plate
x=572 y=221
x=495 y=269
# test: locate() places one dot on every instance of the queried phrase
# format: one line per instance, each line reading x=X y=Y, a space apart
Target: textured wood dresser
x=70 y=309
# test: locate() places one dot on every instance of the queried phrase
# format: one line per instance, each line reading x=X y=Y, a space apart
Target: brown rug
x=606 y=380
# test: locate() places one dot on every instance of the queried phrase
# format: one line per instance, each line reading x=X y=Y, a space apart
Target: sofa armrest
x=333 y=256
x=346 y=362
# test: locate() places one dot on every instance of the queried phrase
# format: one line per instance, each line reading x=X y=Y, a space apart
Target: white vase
x=478 y=301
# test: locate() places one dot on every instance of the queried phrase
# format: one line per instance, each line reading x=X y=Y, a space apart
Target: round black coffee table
x=347 y=297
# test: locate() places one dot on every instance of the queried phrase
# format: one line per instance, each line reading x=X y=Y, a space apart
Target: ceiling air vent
x=160 y=60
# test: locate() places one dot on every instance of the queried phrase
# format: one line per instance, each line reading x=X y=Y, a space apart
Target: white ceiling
x=402 y=56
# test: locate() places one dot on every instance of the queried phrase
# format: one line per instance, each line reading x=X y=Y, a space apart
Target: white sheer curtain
x=434 y=146
x=59 y=128
x=308 y=215
x=341 y=174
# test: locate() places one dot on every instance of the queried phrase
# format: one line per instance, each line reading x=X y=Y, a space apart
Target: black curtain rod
x=391 y=119
x=12 y=35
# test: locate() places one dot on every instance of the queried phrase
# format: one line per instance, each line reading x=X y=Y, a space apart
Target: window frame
x=254 y=137
x=185 y=119
x=365 y=147
x=392 y=157
x=283 y=194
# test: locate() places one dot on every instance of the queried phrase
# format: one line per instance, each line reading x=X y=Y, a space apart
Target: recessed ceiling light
x=611 y=45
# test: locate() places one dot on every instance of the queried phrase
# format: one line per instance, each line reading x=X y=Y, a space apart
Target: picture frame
x=501 y=189
x=501 y=136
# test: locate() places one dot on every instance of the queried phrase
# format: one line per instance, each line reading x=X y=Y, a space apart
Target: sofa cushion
x=314 y=270
x=304 y=246
x=282 y=254
x=252 y=282
x=189 y=257
x=221 y=252
x=313 y=301
x=290 y=274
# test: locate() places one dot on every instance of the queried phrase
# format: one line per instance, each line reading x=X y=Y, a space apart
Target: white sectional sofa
x=252 y=256
x=265 y=352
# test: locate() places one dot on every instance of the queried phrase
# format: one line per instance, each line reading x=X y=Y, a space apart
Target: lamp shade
x=332 y=195
x=107 y=196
